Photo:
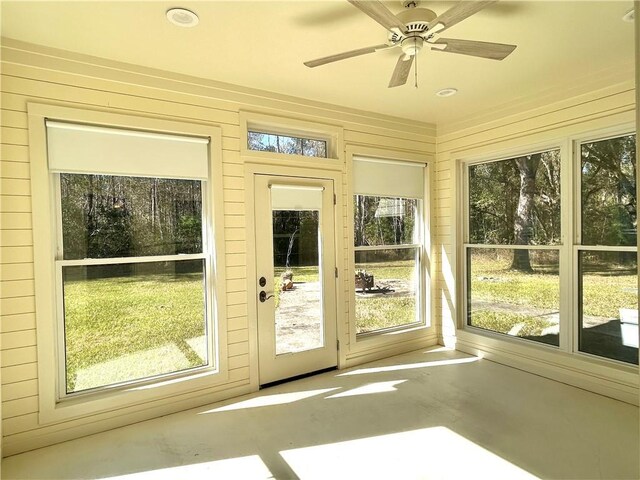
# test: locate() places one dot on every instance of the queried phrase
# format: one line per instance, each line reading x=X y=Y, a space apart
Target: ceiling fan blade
x=341 y=56
x=494 y=51
x=380 y=14
x=401 y=72
x=457 y=13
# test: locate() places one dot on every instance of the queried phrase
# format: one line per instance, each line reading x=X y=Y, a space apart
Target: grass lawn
x=492 y=281
x=106 y=319
x=377 y=311
x=125 y=328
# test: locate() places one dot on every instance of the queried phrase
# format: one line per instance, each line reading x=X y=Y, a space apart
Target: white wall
x=43 y=75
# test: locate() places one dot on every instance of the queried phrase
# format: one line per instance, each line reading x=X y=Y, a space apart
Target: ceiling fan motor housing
x=416 y=20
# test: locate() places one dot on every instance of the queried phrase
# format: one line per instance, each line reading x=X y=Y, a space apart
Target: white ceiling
x=262 y=44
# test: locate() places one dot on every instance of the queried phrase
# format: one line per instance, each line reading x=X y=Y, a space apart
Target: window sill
x=392 y=339
x=92 y=403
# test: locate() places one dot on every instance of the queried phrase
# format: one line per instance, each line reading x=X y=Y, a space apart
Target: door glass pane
x=105 y=216
x=132 y=321
x=609 y=307
x=515 y=292
x=297 y=283
x=386 y=288
x=609 y=192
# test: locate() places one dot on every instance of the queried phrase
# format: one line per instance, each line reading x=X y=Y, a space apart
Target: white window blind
x=296 y=197
x=388 y=178
x=75 y=148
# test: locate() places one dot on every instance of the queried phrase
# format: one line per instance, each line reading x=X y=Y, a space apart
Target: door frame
x=252 y=169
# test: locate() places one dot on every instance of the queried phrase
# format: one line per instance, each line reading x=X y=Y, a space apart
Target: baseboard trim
x=621 y=386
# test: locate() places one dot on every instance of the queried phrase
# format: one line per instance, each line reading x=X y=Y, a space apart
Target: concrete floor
x=429 y=414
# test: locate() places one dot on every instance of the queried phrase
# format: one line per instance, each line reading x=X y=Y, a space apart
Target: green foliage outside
x=106 y=216
x=382 y=221
x=608 y=194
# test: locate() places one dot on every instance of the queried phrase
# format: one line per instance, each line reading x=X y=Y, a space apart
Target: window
x=133 y=278
x=514 y=252
x=270 y=142
x=133 y=255
x=607 y=267
x=388 y=244
x=513 y=246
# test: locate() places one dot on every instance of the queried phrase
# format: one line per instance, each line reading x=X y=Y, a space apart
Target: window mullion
x=125 y=260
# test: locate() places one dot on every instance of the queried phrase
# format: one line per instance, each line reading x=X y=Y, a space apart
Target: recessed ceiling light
x=182 y=17
x=629 y=16
x=447 y=92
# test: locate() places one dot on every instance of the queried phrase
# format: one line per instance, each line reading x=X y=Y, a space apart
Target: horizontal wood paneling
x=17 y=390
x=19 y=321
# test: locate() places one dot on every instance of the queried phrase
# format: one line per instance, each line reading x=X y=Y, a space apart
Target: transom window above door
x=271 y=142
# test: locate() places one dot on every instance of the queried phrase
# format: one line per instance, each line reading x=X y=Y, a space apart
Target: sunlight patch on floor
x=377 y=387
x=428 y=453
x=270 y=400
x=409 y=366
x=251 y=466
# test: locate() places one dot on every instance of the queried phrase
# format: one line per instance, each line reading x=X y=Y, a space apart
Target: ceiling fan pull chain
x=415 y=70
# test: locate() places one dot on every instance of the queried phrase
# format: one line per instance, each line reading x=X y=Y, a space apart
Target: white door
x=296 y=284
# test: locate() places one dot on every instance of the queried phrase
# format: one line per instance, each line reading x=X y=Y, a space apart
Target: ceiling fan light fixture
x=182 y=17
x=447 y=92
x=412 y=45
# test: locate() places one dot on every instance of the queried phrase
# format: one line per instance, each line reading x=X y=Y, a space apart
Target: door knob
x=263 y=296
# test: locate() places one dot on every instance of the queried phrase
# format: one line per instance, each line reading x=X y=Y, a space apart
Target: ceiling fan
x=415 y=27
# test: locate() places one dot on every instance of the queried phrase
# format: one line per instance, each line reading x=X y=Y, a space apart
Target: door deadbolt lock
x=262 y=282
x=263 y=296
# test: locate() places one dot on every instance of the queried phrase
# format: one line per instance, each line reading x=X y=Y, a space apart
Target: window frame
x=423 y=334
x=60 y=263
x=277 y=125
x=465 y=245
x=418 y=247
x=570 y=164
x=130 y=396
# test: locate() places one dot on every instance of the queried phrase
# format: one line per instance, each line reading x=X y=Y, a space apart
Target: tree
x=523 y=222
x=609 y=203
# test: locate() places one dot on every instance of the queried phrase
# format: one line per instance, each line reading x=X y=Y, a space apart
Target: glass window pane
x=384 y=221
x=267 y=142
x=609 y=309
x=289 y=145
x=515 y=292
x=314 y=148
x=609 y=201
x=262 y=142
x=297 y=286
x=107 y=216
x=516 y=201
x=387 y=282
x=132 y=321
